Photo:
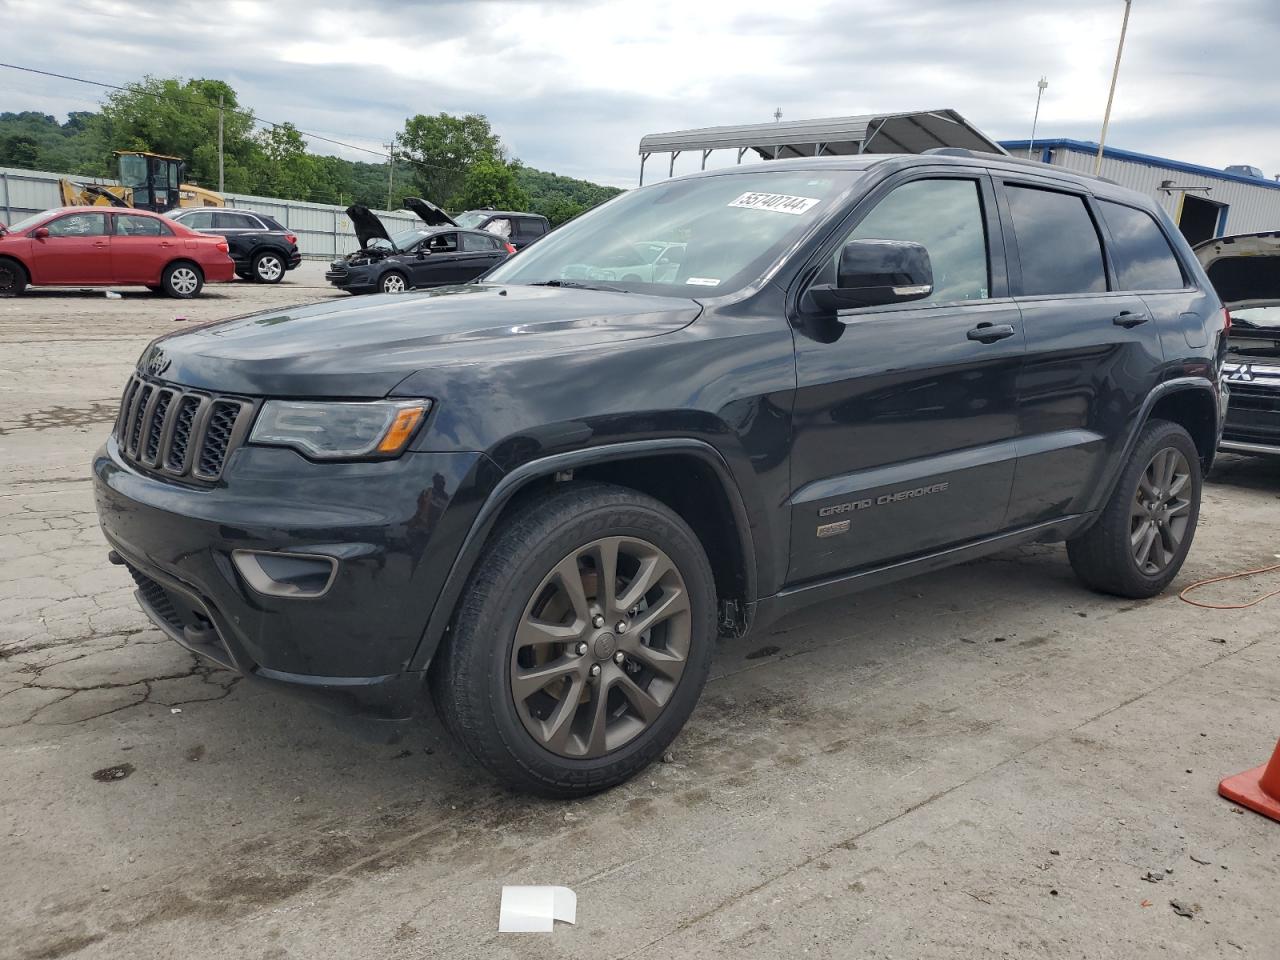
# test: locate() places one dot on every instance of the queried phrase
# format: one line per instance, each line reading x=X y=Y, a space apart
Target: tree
x=19 y=151
x=180 y=118
x=491 y=183
x=443 y=148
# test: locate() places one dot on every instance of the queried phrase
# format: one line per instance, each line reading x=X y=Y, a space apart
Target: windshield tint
x=471 y=218
x=133 y=171
x=1257 y=317
x=707 y=235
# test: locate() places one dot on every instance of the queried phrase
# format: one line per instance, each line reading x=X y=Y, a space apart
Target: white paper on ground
x=535 y=909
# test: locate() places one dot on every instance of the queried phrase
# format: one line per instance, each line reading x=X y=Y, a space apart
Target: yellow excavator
x=148 y=181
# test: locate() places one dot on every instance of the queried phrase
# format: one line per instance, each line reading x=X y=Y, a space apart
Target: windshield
x=707 y=235
x=471 y=218
x=133 y=171
x=402 y=240
x=30 y=221
x=1258 y=318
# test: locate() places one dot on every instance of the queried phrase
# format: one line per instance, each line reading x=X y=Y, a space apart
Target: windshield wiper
x=578 y=285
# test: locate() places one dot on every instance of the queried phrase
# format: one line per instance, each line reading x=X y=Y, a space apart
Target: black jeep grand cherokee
x=541 y=498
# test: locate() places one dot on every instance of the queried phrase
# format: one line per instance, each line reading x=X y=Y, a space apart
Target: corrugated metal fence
x=323 y=229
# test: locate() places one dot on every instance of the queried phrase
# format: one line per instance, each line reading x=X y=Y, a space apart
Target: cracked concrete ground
x=983 y=763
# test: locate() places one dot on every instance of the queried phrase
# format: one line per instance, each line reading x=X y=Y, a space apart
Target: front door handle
x=991 y=332
x=1127 y=319
x=100 y=243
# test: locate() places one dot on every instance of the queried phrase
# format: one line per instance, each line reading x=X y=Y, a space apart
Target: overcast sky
x=572 y=85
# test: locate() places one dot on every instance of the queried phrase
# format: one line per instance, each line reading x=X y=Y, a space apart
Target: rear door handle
x=991 y=332
x=1127 y=319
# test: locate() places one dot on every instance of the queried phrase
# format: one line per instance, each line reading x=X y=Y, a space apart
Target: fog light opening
x=296 y=576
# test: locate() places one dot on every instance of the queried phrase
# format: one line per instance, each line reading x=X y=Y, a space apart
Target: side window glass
x=200 y=220
x=500 y=226
x=79 y=225
x=945 y=217
x=1058 y=243
x=474 y=243
x=1142 y=256
x=234 y=221
x=443 y=243
x=128 y=225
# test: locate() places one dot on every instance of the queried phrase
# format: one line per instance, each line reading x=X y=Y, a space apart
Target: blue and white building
x=1205 y=202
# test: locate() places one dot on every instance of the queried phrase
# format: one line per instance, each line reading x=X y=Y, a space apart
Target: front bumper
x=350 y=278
x=1253 y=414
x=392 y=528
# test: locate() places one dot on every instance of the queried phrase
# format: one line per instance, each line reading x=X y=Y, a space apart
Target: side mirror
x=875 y=273
x=422 y=253
x=39 y=233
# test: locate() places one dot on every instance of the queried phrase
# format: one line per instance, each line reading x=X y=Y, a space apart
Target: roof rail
x=1023 y=161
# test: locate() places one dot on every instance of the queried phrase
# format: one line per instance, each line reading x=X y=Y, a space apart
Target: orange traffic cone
x=1258 y=789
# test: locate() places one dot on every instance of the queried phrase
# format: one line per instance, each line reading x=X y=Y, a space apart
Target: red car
x=108 y=247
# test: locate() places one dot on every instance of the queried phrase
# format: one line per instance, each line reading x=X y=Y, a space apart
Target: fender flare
x=526 y=473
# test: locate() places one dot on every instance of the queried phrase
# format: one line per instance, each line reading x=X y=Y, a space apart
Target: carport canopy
x=913 y=132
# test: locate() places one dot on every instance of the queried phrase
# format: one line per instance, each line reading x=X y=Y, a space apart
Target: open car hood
x=1245 y=269
x=368 y=227
x=429 y=213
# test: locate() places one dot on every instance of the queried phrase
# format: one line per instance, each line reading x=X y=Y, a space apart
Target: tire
x=475 y=679
x=182 y=280
x=393 y=282
x=13 y=278
x=1138 y=543
x=268 y=267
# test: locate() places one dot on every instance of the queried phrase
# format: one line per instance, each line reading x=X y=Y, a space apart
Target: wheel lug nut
x=595 y=669
x=597 y=621
x=582 y=649
x=621 y=626
x=618 y=658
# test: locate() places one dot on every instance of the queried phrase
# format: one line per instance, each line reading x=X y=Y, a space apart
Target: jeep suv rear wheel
x=1137 y=545
x=582 y=642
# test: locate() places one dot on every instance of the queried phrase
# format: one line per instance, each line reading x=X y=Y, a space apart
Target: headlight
x=340 y=431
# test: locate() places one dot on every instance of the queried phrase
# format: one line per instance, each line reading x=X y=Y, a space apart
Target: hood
x=364 y=348
x=368 y=227
x=1245 y=269
x=429 y=213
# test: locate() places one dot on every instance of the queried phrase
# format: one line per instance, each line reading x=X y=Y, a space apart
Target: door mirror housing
x=422 y=253
x=39 y=233
x=876 y=273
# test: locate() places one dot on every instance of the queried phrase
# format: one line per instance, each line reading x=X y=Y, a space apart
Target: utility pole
x=1115 y=74
x=221 y=187
x=777 y=115
x=391 y=169
x=1036 y=119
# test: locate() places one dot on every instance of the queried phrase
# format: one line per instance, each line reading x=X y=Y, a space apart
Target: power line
x=208 y=106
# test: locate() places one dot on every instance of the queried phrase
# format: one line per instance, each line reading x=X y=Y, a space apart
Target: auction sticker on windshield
x=777 y=202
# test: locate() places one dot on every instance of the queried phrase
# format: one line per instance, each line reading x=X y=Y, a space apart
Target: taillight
x=291 y=238
x=510 y=248
x=222 y=245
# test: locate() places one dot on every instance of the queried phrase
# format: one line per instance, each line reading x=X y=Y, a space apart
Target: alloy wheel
x=184 y=280
x=1160 y=511
x=269 y=268
x=601 y=647
x=393 y=284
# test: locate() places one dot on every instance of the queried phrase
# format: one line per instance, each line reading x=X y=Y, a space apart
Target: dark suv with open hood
x=436 y=254
x=541 y=497
x=1245 y=270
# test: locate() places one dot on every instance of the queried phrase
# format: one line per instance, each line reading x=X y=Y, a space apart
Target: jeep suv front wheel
x=582 y=642
x=1138 y=543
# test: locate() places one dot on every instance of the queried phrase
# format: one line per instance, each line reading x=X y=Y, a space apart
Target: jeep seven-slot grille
x=181 y=433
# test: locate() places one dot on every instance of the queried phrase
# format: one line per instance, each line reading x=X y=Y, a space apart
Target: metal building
x=834 y=136
x=1205 y=202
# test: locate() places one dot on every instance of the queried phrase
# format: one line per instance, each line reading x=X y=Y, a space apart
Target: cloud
x=572 y=85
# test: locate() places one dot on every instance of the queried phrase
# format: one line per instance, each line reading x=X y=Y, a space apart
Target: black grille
x=179 y=432
x=157 y=598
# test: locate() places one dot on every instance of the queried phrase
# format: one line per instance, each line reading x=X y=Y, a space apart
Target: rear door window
x=1142 y=256
x=527 y=228
x=476 y=243
x=1058 y=244
x=131 y=225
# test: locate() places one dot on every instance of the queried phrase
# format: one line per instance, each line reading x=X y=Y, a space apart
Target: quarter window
x=1057 y=241
x=945 y=217
x=1142 y=256
x=79 y=225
